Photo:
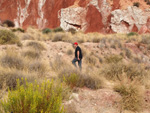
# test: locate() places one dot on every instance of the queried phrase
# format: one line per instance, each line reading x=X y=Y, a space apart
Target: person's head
x=75 y=44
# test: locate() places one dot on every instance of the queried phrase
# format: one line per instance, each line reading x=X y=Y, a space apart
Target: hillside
x=114 y=78
x=104 y=16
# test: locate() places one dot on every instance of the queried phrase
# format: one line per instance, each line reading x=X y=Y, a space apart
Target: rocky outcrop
x=124 y=21
x=40 y=13
x=104 y=16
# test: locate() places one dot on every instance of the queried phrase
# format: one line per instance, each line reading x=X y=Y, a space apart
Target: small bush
x=27 y=37
x=18 y=29
x=69 y=52
x=46 y=31
x=90 y=59
x=32 y=54
x=34 y=98
x=12 y=60
x=113 y=59
x=59 y=29
x=9 y=23
x=96 y=39
x=72 y=30
x=36 y=45
x=9 y=76
x=114 y=71
x=145 y=40
x=132 y=34
x=57 y=64
x=75 y=78
x=137 y=4
x=132 y=98
x=128 y=53
x=39 y=67
x=8 y=37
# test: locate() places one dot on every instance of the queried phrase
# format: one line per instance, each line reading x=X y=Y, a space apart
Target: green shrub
x=75 y=78
x=8 y=37
x=59 y=29
x=9 y=23
x=137 y=4
x=132 y=98
x=132 y=34
x=113 y=59
x=18 y=29
x=34 y=98
x=46 y=31
x=36 y=45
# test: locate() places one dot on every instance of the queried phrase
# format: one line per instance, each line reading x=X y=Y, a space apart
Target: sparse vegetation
x=132 y=96
x=36 y=45
x=8 y=37
x=32 y=54
x=75 y=78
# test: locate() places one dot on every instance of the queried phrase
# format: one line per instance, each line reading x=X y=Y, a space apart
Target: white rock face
x=73 y=18
x=132 y=15
x=41 y=21
x=22 y=13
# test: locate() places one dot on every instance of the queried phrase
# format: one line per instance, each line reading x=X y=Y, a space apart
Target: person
x=78 y=56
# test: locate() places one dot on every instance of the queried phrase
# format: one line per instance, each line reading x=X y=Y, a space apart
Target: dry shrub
x=39 y=67
x=114 y=71
x=90 y=59
x=32 y=54
x=9 y=76
x=96 y=39
x=12 y=59
x=27 y=37
x=36 y=45
x=69 y=52
x=145 y=40
x=128 y=53
x=57 y=63
x=132 y=94
x=75 y=78
x=8 y=37
x=61 y=37
x=113 y=59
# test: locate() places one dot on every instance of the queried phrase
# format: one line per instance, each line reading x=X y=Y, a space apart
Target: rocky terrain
x=104 y=16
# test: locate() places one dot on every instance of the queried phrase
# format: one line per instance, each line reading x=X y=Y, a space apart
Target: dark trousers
x=79 y=62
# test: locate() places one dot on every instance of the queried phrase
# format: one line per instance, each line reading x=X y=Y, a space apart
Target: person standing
x=78 y=56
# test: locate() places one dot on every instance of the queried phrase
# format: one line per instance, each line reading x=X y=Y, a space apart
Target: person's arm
x=78 y=55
